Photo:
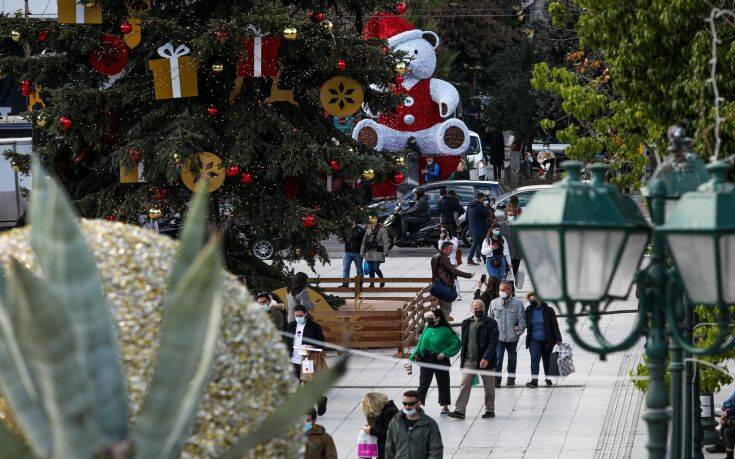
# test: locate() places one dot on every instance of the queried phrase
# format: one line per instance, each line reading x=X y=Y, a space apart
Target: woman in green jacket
x=437 y=344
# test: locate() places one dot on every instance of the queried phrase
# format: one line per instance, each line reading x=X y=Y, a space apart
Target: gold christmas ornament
x=203 y=165
x=250 y=373
x=290 y=33
x=400 y=161
x=341 y=96
x=42 y=121
x=368 y=174
x=218 y=68
x=401 y=68
x=328 y=26
x=155 y=213
x=15 y=35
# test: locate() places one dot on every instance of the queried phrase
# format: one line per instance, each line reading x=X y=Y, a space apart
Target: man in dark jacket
x=416 y=214
x=448 y=206
x=479 y=346
x=319 y=444
x=497 y=152
x=542 y=334
x=412 y=434
x=352 y=237
x=477 y=215
x=442 y=268
x=298 y=334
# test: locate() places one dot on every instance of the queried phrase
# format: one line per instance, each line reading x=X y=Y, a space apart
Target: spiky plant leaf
x=47 y=341
x=11 y=447
x=17 y=384
x=192 y=235
x=73 y=280
x=283 y=417
x=188 y=337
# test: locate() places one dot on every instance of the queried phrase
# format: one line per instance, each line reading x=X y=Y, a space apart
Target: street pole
x=688 y=424
x=676 y=369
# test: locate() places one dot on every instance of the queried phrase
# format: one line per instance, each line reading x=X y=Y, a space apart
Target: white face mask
x=511 y=218
x=496 y=233
x=301 y=320
x=503 y=295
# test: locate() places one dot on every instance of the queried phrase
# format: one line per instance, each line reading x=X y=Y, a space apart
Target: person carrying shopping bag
x=495 y=249
x=374 y=249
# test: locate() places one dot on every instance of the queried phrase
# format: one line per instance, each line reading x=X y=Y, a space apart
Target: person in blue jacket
x=431 y=171
x=477 y=219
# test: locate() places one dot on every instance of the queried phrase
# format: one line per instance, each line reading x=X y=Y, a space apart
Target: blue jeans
x=475 y=248
x=501 y=273
x=540 y=351
x=347 y=259
x=374 y=268
x=512 y=357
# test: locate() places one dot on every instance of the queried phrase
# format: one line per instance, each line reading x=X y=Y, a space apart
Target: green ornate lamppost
x=583 y=243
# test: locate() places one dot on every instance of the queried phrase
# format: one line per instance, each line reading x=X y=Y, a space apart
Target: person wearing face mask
x=319 y=444
x=496 y=251
x=412 y=434
x=437 y=344
x=479 y=351
x=511 y=317
x=275 y=310
x=302 y=327
x=547 y=160
x=455 y=257
x=512 y=212
x=541 y=336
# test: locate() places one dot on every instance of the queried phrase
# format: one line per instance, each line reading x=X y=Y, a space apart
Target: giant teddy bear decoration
x=429 y=104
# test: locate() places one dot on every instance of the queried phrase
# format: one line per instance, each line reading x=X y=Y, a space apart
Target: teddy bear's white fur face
x=420 y=56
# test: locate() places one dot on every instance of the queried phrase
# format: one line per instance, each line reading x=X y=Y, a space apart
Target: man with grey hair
x=508 y=311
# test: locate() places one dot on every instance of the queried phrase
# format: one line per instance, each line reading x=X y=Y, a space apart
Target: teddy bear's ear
x=432 y=38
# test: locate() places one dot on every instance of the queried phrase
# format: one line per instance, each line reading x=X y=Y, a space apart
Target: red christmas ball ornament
x=161 y=193
x=334 y=165
x=317 y=16
x=43 y=35
x=110 y=56
x=65 y=122
x=126 y=27
x=220 y=36
x=246 y=178
x=398 y=178
x=400 y=7
x=213 y=111
x=233 y=171
x=111 y=218
x=308 y=220
x=398 y=79
x=341 y=65
x=25 y=87
x=135 y=154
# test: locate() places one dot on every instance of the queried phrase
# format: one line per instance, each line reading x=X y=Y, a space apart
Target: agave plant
x=60 y=370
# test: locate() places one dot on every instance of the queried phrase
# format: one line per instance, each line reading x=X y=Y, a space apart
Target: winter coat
x=383 y=242
x=353 y=239
x=497 y=148
x=319 y=444
x=487 y=341
x=423 y=442
x=312 y=330
x=514 y=249
x=448 y=206
x=301 y=298
x=507 y=314
x=442 y=268
x=437 y=340
x=379 y=425
x=551 y=326
x=432 y=172
x=477 y=215
x=455 y=245
x=277 y=312
x=487 y=250
x=420 y=209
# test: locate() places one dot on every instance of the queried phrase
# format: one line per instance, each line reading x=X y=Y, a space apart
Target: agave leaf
x=192 y=236
x=17 y=384
x=73 y=280
x=46 y=337
x=11 y=447
x=282 y=418
x=187 y=344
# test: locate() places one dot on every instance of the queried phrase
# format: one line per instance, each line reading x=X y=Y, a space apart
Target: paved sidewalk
x=589 y=414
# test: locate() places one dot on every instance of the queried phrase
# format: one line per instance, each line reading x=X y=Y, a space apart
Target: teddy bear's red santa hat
x=390 y=27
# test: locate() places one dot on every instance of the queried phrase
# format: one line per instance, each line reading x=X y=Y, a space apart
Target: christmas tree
x=136 y=101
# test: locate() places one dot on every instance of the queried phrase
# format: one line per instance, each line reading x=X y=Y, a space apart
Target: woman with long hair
x=298 y=293
x=375 y=246
x=492 y=290
x=496 y=252
x=437 y=344
x=378 y=411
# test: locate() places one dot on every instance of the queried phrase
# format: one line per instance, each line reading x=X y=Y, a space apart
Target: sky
x=37 y=7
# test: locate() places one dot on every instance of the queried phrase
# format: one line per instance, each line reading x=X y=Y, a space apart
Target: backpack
x=371 y=242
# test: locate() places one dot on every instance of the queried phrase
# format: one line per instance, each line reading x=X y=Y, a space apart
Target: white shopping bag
x=521 y=277
x=307 y=366
x=565 y=361
x=367 y=445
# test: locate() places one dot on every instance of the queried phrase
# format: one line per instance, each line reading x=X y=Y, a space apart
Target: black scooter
x=426 y=236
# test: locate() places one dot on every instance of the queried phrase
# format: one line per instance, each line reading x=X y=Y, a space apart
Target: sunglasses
x=410 y=404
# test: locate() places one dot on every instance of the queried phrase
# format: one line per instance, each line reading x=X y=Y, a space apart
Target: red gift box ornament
x=261 y=56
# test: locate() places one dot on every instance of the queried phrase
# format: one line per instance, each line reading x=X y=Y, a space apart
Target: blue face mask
x=301 y=320
x=496 y=233
x=409 y=411
x=308 y=426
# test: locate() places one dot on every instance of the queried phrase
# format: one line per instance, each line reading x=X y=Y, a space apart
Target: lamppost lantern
x=581 y=240
x=700 y=232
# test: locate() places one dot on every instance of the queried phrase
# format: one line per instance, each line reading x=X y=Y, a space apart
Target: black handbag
x=554 y=364
x=443 y=292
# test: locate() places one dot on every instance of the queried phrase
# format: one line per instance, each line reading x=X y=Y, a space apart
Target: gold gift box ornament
x=175 y=75
x=71 y=12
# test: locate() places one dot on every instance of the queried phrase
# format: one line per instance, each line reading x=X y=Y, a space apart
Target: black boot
x=498 y=381
x=511 y=382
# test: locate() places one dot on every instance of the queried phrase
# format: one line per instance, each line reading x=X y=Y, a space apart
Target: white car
x=476 y=158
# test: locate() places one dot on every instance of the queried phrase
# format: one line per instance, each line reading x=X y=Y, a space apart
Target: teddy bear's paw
x=454 y=137
x=368 y=137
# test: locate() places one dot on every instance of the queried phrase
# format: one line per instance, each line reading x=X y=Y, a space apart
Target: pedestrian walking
x=443 y=270
x=497 y=153
x=303 y=326
x=449 y=208
x=487 y=291
x=432 y=172
x=541 y=336
x=479 y=351
x=510 y=315
x=275 y=310
x=374 y=248
x=298 y=294
x=352 y=238
x=455 y=257
x=437 y=344
x=496 y=252
x=412 y=434
x=379 y=412
x=319 y=444
x=512 y=212
x=477 y=216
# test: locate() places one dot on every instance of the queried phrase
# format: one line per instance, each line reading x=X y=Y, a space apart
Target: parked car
x=476 y=158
